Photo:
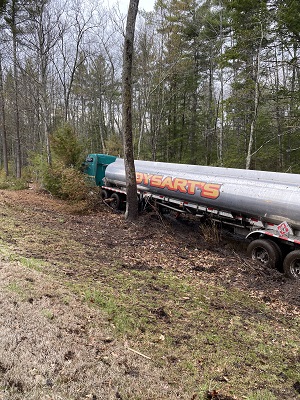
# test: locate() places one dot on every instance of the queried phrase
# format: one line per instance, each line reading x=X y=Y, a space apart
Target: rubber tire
x=266 y=253
x=104 y=194
x=291 y=265
x=281 y=257
x=115 y=205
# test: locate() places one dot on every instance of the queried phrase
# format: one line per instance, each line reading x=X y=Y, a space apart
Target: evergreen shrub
x=62 y=178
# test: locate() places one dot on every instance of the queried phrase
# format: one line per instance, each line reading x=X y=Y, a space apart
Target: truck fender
x=255 y=234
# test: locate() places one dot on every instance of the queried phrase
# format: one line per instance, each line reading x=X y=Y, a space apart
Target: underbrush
x=12 y=183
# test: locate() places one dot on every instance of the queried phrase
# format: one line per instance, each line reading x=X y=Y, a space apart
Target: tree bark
x=16 y=94
x=4 y=134
x=131 y=188
x=256 y=103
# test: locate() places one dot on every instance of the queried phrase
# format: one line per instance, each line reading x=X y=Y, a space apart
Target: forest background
x=215 y=82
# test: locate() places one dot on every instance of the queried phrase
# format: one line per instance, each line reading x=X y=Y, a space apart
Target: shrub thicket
x=63 y=177
x=10 y=182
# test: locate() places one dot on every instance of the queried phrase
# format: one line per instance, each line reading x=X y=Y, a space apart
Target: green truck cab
x=95 y=166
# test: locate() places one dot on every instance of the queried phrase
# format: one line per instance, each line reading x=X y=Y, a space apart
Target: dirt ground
x=54 y=344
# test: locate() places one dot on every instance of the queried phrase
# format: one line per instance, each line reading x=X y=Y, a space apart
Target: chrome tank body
x=269 y=196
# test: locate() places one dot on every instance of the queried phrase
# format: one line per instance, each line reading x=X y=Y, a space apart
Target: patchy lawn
x=95 y=308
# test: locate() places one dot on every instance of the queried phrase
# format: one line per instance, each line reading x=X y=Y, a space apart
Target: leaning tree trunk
x=131 y=188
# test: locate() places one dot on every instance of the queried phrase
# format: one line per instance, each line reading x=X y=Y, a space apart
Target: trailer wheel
x=291 y=265
x=116 y=201
x=104 y=194
x=265 y=252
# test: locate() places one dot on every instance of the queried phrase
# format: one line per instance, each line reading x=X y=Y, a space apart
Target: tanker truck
x=261 y=206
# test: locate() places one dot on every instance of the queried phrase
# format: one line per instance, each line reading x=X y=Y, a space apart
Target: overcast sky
x=143 y=4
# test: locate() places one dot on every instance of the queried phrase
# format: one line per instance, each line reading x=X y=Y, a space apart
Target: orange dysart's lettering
x=139 y=177
x=193 y=185
x=189 y=186
x=143 y=178
x=211 y=191
x=167 y=183
x=156 y=180
x=147 y=178
x=180 y=185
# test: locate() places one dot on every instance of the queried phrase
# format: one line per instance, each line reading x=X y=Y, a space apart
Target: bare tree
x=16 y=17
x=72 y=32
x=42 y=39
x=132 y=201
x=12 y=20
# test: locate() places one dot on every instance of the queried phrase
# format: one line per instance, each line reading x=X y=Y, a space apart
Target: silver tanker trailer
x=262 y=206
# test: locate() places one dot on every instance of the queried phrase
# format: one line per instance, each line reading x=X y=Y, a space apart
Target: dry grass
x=54 y=347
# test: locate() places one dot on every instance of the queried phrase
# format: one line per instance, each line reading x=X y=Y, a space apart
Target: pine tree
x=249 y=22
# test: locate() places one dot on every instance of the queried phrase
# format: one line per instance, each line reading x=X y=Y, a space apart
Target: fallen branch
x=140 y=354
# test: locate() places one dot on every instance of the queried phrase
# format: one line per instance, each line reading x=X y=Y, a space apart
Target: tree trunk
x=256 y=102
x=220 y=114
x=4 y=136
x=131 y=188
x=16 y=110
